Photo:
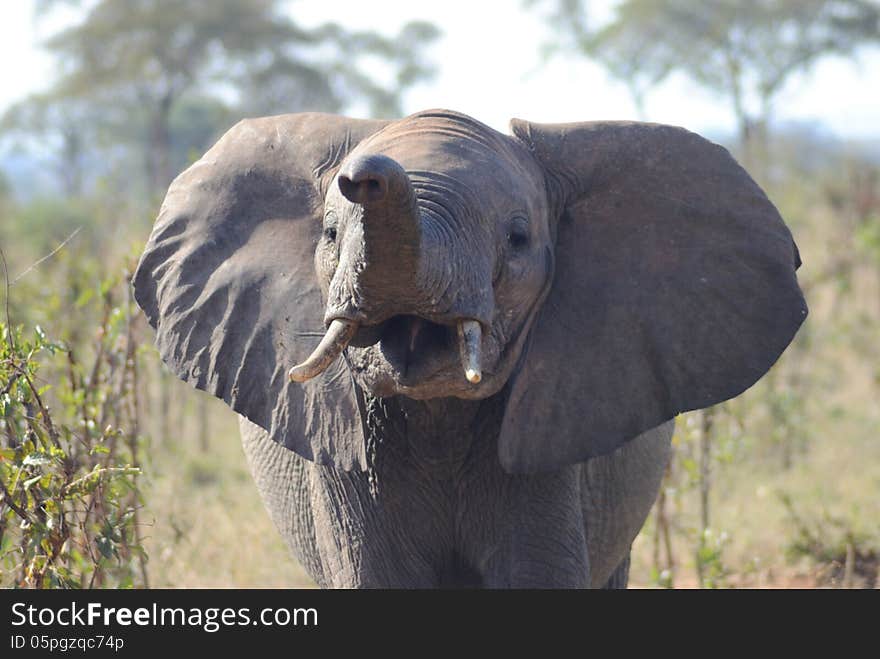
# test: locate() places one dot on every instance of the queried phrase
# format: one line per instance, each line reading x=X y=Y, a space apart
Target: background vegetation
x=113 y=473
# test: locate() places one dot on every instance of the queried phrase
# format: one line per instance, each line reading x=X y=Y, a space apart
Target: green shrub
x=69 y=452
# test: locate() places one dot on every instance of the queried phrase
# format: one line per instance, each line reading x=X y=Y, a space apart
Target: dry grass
x=208 y=526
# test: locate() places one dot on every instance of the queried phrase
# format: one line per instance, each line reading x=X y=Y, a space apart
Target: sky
x=490 y=67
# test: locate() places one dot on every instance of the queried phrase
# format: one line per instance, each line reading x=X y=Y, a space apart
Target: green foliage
x=843 y=553
x=662 y=578
x=700 y=445
x=344 y=69
x=45 y=222
x=5 y=191
x=709 y=562
x=867 y=236
x=69 y=454
x=195 y=123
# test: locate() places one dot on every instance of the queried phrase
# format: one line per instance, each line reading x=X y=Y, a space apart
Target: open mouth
x=414 y=346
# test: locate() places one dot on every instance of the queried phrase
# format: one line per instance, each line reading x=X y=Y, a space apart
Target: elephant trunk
x=387 y=268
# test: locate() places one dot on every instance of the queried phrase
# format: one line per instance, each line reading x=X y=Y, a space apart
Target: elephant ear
x=674 y=289
x=228 y=280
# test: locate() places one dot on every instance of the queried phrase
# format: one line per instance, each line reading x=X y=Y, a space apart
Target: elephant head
x=602 y=276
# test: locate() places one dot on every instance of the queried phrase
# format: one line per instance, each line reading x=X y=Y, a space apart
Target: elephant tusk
x=337 y=337
x=470 y=341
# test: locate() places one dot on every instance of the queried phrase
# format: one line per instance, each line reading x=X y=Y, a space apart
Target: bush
x=69 y=453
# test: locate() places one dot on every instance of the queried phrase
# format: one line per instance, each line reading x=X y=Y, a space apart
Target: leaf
x=31 y=481
x=105 y=546
x=36 y=459
x=56 y=347
x=85 y=297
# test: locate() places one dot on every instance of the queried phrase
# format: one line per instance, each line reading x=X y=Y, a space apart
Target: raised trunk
x=380 y=271
x=392 y=227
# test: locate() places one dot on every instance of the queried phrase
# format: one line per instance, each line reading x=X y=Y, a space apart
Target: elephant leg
x=536 y=538
x=536 y=564
x=333 y=527
x=617 y=493
x=367 y=540
x=620 y=577
x=282 y=481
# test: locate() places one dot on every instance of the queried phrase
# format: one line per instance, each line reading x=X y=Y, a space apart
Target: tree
x=62 y=129
x=745 y=50
x=137 y=60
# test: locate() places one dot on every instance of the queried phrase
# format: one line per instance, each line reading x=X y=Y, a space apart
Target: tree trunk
x=159 y=149
x=707 y=428
x=71 y=165
x=743 y=121
x=163 y=404
x=706 y=435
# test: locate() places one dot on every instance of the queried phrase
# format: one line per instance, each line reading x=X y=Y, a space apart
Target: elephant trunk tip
x=364 y=191
x=367 y=179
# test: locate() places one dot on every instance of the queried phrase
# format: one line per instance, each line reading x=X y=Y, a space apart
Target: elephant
x=456 y=354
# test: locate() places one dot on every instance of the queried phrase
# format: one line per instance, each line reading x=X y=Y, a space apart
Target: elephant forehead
x=458 y=147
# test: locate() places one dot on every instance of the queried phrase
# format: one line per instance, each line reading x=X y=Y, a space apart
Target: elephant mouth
x=413 y=346
x=417 y=347
x=406 y=349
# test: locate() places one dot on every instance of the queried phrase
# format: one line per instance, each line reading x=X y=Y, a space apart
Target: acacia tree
x=744 y=50
x=135 y=60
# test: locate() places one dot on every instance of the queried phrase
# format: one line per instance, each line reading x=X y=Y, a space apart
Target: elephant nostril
x=371 y=188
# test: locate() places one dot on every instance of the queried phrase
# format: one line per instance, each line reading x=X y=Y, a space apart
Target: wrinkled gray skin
x=445 y=514
x=617 y=274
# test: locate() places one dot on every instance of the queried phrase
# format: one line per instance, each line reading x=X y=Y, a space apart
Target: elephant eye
x=330 y=223
x=518 y=237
